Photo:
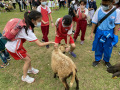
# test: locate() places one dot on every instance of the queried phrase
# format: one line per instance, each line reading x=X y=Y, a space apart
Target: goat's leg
x=63 y=80
x=77 y=82
x=55 y=75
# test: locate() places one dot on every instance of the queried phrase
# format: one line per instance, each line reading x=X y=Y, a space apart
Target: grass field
x=90 y=78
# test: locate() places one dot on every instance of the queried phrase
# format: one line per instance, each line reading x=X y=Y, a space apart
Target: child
x=63 y=30
x=76 y=6
x=4 y=55
x=82 y=14
x=106 y=33
x=46 y=13
x=62 y=3
x=92 y=8
x=17 y=51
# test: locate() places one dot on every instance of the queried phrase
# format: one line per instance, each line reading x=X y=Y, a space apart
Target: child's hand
x=52 y=42
x=46 y=22
x=52 y=24
x=91 y=36
x=68 y=48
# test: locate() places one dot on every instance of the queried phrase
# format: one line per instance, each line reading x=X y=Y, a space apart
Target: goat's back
x=62 y=63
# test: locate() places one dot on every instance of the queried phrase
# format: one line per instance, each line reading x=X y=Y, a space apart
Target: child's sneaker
x=108 y=64
x=4 y=65
x=81 y=42
x=8 y=58
x=47 y=46
x=73 y=31
x=33 y=70
x=73 y=54
x=28 y=79
x=43 y=40
x=119 y=53
x=95 y=63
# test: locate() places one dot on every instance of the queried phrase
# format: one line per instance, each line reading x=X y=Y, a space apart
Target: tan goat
x=64 y=67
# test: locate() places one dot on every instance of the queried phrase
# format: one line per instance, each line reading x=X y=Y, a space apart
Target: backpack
x=12 y=28
x=70 y=12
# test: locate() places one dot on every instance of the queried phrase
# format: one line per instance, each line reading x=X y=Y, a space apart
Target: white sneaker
x=28 y=79
x=33 y=70
x=81 y=42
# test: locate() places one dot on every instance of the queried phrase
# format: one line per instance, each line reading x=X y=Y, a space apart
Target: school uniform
x=76 y=8
x=105 y=34
x=81 y=24
x=63 y=31
x=15 y=48
x=92 y=4
x=44 y=27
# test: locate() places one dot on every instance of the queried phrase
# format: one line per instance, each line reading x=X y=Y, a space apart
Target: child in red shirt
x=64 y=31
x=82 y=22
x=46 y=13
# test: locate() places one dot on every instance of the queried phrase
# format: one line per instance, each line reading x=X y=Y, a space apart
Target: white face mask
x=82 y=7
x=38 y=24
x=43 y=3
x=105 y=7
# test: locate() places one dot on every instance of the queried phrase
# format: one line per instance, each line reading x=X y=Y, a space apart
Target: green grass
x=90 y=78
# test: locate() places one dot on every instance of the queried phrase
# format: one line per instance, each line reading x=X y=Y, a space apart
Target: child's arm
x=52 y=24
x=44 y=22
x=43 y=44
x=68 y=40
x=56 y=25
x=76 y=14
x=93 y=28
x=115 y=36
x=116 y=29
x=68 y=46
x=56 y=31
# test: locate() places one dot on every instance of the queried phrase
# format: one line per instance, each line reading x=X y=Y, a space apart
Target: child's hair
x=108 y=0
x=85 y=2
x=28 y=16
x=67 y=20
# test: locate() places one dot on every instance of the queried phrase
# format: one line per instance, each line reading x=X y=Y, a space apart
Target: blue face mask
x=105 y=7
x=38 y=24
x=43 y=3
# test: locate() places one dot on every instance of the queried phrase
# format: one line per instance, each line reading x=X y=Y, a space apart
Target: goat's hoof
x=77 y=88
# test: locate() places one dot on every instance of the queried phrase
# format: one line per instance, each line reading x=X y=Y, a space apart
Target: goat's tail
x=73 y=77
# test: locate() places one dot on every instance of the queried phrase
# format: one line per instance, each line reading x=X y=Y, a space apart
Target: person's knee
x=73 y=46
x=27 y=59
